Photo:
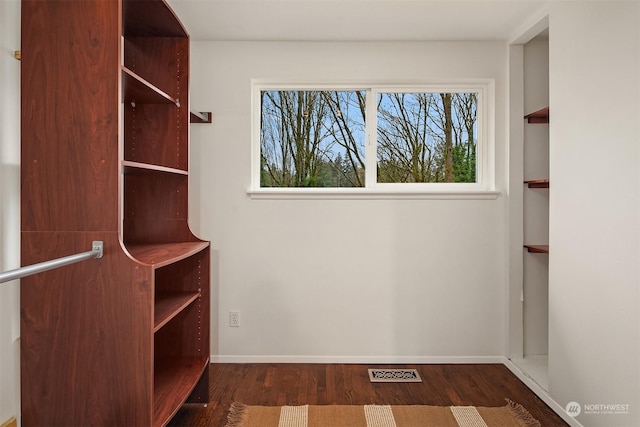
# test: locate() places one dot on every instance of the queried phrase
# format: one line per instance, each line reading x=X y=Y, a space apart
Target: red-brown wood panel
x=156 y=195
x=160 y=255
x=162 y=61
x=156 y=207
x=153 y=135
x=150 y=18
x=141 y=231
x=86 y=340
x=135 y=89
x=181 y=337
x=190 y=274
x=174 y=381
x=69 y=115
x=186 y=275
x=158 y=134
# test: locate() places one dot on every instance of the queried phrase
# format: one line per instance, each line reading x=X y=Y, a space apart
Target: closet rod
x=95 y=252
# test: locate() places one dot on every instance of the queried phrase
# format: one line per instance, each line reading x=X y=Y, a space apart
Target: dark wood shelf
x=173 y=382
x=162 y=254
x=200 y=117
x=540 y=116
x=136 y=90
x=169 y=305
x=130 y=168
x=537 y=249
x=150 y=18
x=537 y=183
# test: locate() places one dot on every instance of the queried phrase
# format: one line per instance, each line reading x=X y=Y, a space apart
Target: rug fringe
x=521 y=413
x=237 y=413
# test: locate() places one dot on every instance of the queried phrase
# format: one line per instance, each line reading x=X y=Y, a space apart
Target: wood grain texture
x=151 y=135
x=156 y=207
x=189 y=275
x=136 y=90
x=174 y=383
x=72 y=321
x=158 y=134
x=150 y=18
x=169 y=304
x=156 y=195
x=69 y=102
x=321 y=384
x=160 y=255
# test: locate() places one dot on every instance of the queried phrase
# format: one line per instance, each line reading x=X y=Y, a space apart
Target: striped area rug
x=510 y=415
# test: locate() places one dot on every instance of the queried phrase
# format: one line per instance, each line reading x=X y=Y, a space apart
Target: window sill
x=368 y=194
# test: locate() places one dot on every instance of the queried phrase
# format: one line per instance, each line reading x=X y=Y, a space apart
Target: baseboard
x=362 y=360
x=541 y=393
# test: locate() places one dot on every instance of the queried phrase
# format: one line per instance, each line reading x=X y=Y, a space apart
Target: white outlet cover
x=234 y=319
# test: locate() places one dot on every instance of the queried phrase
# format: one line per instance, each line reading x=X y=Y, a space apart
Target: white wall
x=9 y=207
x=594 y=347
x=344 y=280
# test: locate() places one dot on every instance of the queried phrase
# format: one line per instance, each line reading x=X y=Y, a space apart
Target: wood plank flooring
x=348 y=384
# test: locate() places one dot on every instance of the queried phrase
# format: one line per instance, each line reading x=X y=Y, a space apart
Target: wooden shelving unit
x=135 y=89
x=123 y=340
x=170 y=305
x=173 y=380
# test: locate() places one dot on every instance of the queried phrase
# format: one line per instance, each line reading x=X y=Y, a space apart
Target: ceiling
x=354 y=20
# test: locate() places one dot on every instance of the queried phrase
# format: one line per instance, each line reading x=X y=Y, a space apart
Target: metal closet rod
x=95 y=252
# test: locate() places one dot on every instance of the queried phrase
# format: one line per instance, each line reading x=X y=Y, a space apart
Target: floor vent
x=394 y=376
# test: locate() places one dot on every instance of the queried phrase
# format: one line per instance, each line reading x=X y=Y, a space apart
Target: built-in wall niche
x=535 y=208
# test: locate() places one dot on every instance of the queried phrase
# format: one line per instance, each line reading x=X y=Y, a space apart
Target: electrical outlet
x=234 y=319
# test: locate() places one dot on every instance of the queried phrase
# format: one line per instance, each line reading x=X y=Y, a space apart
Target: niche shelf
x=537 y=249
x=537 y=183
x=540 y=116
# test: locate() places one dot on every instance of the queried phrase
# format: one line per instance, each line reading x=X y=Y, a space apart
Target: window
x=371 y=139
x=312 y=138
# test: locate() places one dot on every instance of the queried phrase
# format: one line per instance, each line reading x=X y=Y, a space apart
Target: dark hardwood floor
x=320 y=384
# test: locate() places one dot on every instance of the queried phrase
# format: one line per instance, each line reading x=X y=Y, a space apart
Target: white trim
x=534 y=25
x=371 y=135
x=484 y=187
x=368 y=194
x=423 y=360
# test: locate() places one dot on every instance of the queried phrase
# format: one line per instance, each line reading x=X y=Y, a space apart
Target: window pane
x=427 y=137
x=312 y=138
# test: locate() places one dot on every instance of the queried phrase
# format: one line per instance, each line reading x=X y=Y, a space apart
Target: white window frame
x=483 y=188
